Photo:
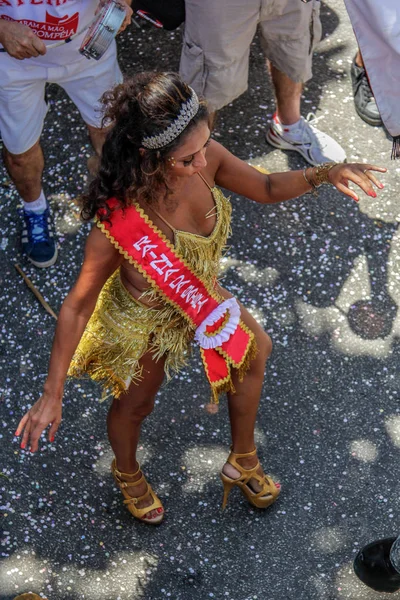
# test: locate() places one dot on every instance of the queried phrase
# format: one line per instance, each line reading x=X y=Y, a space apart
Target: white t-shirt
x=52 y=21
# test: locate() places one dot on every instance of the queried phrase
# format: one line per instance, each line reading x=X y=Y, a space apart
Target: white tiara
x=188 y=111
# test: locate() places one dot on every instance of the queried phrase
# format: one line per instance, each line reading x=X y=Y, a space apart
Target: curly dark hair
x=142 y=106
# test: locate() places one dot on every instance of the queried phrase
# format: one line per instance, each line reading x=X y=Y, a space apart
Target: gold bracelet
x=321 y=173
x=314 y=190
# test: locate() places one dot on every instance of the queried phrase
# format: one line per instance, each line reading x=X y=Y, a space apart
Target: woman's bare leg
x=243 y=405
x=125 y=419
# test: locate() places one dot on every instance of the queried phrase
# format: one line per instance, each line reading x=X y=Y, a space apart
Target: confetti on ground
x=322 y=276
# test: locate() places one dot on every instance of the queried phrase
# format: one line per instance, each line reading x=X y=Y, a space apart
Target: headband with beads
x=188 y=110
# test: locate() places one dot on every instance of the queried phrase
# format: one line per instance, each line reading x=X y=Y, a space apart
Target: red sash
x=225 y=341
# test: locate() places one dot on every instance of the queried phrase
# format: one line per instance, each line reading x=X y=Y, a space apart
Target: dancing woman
x=148 y=285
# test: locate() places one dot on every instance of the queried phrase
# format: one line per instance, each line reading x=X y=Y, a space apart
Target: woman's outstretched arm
x=100 y=261
x=239 y=177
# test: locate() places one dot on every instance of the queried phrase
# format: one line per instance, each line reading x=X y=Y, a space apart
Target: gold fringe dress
x=122 y=329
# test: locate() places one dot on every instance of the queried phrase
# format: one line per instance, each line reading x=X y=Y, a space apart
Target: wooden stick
x=36 y=292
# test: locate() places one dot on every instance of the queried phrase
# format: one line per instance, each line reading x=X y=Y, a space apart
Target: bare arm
x=240 y=178
x=101 y=260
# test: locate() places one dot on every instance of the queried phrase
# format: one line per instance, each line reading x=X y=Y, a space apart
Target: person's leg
x=288 y=96
x=289 y=31
x=22 y=112
x=216 y=46
x=97 y=138
x=290 y=131
x=243 y=404
x=212 y=119
x=26 y=171
x=359 y=59
x=85 y=83
x=124 y=422
x=364 y=100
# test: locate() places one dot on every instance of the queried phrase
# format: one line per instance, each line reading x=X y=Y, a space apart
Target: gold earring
x=171 y=161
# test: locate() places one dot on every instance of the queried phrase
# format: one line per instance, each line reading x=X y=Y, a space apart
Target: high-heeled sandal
x=130 y=501
x=265 y=497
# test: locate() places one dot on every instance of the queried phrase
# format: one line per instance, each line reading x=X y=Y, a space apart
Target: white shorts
x=218 y=35
x=22 y=99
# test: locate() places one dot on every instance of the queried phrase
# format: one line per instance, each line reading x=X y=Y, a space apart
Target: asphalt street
x=323 y=277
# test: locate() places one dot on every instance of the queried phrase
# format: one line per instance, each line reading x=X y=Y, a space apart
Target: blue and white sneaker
x=315 y=146
x=38 y=238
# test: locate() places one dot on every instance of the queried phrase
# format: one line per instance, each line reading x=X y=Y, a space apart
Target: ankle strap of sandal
x=121 y=475
x=235 y=456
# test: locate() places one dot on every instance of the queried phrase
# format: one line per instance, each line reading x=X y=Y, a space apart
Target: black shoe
x=372 y=565
x=363 y=97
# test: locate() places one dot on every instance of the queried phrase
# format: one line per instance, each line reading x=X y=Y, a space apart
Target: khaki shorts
x=218 y=35
x=22 y=100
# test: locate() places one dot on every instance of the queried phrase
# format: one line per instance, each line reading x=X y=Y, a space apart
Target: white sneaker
x=314 y=145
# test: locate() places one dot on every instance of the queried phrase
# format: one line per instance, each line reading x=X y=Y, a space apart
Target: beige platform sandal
x=130 y=502
x=265 y=497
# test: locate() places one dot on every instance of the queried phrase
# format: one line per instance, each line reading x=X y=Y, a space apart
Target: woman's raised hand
x=46 y=411
x=360 y=174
